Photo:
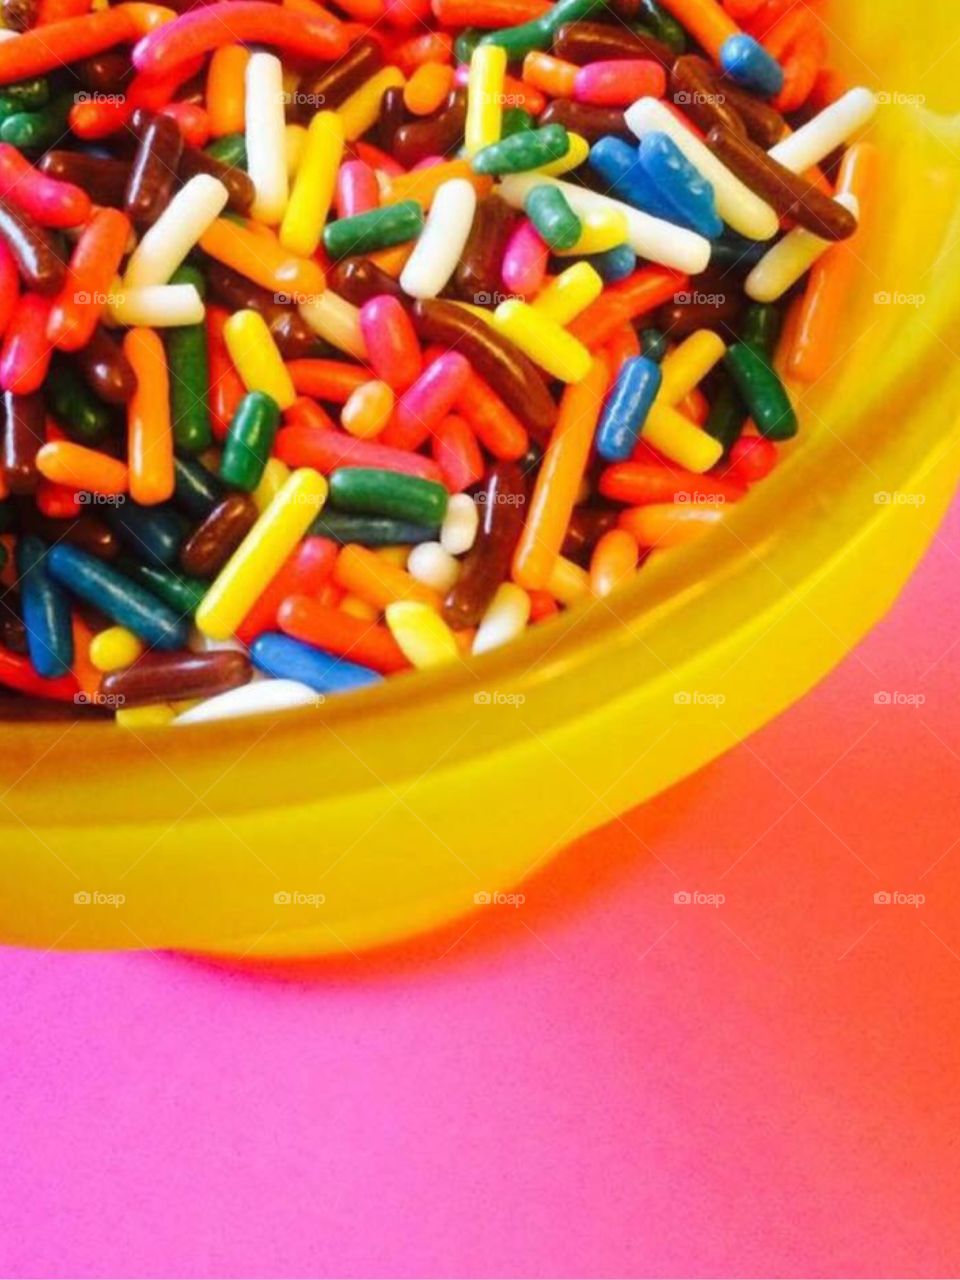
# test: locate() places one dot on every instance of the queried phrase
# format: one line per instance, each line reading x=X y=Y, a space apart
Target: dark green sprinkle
x=376 y=229
x=373 y=491
x=371 y=531
x=765 y=395
x=249 y=441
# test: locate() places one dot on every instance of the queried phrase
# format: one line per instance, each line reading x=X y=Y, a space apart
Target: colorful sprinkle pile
x=342 y=341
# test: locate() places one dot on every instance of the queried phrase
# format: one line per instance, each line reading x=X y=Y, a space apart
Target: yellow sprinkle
x=545 y=342
x=361 y=110
x=294 y=141
x=261 y=553
x=152 y=717
x=257 y=360
x=488 y=66
x=568 y=582
x=422 y=634
x=602 y=229
x=115 y=648
x=681 y=440
x=274 y=477
x=312 y=192
x=688 y=364
x=573 y=158
x=482 y=313
x=185 y=704
x=569 y=293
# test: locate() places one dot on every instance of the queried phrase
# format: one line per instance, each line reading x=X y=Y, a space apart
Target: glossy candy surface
x=342 y=324
x=626 y=408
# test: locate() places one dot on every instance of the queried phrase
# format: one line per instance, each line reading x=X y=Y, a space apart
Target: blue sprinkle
x=627 y=407
x=287 y=659
x=153 y=534
x=618 y=164
x=45 y=610
x=613 y=264
x=747 y=61
x=680 y=185
x=126 y=602
x=732 y=250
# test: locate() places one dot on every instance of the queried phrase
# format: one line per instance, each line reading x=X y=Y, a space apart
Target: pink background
x=601 y=1083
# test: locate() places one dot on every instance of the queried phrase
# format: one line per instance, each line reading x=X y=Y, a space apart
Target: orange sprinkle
x=259 y=256
x=427 y=89
x=422 y=184
x=76 y=467
x=226 y=92
x=558 y=480
x=671 y=524
x=613 y=561
x=363 y=573
x=149 y=432
x=820 y=316
x=553 y=75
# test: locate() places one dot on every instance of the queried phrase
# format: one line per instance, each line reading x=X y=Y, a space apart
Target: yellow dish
x=386 y=812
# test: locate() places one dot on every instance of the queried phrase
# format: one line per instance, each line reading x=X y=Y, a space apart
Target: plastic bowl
x=399 y=806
